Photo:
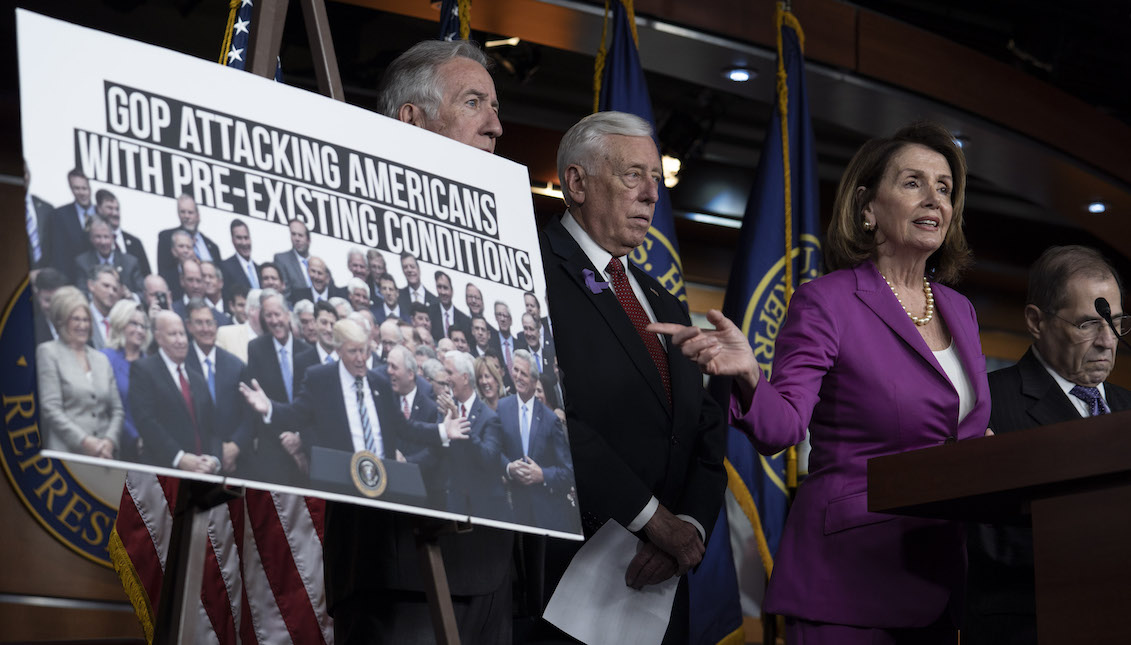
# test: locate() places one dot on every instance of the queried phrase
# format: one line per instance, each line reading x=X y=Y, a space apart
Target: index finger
x=669 y=329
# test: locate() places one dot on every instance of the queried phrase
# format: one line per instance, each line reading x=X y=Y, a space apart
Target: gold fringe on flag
x=783 y=16
x=233 y=9
x=464 y=19
x=603 y=50
x=131 y=582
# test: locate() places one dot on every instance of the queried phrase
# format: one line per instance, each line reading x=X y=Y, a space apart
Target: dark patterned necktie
x=1091 y=396
x=627 y=298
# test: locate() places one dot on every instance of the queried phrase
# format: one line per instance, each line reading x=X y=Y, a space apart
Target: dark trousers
x=403 y=618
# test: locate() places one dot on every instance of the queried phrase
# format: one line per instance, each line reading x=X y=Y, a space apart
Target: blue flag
x=624 y=89
x=449 y=20
x=236 y=40
x=758 y=293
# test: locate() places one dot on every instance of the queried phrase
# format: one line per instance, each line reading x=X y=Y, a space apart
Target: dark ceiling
x=1080 y=47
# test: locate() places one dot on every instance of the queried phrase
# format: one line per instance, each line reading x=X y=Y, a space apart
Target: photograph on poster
x=245 y=282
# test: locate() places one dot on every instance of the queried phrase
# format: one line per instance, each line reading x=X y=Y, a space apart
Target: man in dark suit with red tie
x=647 y=440
x=170 y=404
x=1062 y=377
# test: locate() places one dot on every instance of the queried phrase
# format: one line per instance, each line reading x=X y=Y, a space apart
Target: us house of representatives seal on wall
x=76 y=503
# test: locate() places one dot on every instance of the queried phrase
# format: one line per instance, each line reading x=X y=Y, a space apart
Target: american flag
x=262 y=579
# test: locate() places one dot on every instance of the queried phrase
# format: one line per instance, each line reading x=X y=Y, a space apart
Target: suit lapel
x=573 y=262
x=877 y=296
x=1049 y=403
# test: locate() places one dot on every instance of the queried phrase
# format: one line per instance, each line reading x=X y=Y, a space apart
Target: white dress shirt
x=357 y=434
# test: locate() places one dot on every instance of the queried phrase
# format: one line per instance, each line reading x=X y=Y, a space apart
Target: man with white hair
x=235 y=338
x=358 y=293
x=302 y=322
x=373 y=596
x=171 y=406
x=471 y=469
x=357 y=264
x=278 y=360
x=656 y=465
x=322 y=285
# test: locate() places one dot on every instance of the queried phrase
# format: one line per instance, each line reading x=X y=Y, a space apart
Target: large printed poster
x=227 y=225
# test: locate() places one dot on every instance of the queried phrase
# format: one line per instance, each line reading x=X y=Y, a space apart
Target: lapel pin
x=594 y=285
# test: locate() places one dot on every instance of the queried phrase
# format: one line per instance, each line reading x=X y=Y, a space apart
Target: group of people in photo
x=148 y=366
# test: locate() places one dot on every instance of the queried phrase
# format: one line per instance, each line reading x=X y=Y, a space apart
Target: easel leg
x=436 y=579
x=180 y=586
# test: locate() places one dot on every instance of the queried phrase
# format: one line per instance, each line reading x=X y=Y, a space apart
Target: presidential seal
x=76 y=503
x=368 y=474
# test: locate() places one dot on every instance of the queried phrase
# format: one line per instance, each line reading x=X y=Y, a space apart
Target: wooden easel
x=181 y=589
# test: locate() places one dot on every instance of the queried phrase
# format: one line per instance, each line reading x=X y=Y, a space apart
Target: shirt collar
x=200 y=355
x=1064 y=383
x=598 y=256
x=289 y=345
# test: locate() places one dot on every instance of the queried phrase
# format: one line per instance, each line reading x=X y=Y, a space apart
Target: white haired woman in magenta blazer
x=877 y=357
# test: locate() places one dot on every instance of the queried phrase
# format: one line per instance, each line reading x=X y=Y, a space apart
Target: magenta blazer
x=851 y=367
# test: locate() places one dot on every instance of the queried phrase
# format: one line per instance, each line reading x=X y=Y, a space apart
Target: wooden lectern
x=1073 y=479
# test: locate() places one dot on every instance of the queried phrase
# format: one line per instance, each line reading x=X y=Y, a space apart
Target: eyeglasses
x=1092 y=327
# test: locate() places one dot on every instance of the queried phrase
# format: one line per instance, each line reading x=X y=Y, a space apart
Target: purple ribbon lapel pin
x=592 y=283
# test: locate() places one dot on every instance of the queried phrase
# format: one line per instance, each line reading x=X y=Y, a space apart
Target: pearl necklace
x=928 y=313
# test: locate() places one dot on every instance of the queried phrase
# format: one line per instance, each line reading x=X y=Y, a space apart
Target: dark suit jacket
x=43 y=212
x=161 y=416
x=234 y=274
x=65 y=238
x=459 y=319
x=429 y=298
x=135 y=248
x=369 y=550
x=378 y=309
x=471 y=466
x=291 y=270
x=624 y=453
x=1000 y=601
x=272 y=462
x=167 y=265
x=233 y=416
x=306 y=293
x=128 y=270
x=545 y=504
x=181 y=309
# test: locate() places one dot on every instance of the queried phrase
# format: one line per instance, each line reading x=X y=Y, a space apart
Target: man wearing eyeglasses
x=1060 y=378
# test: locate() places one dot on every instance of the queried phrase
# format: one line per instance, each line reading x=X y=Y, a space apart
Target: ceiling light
x=961 y=141
x=739 y=74
x=671 y=166
x=1097 y=207
x=547 y=191
x=704 y=218
x=512 y=41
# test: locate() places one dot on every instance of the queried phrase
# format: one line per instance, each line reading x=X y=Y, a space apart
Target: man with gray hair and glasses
x=1060 y=378
x=647 y=439
x=443 y=87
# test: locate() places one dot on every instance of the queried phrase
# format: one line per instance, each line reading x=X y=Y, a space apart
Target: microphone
x=1104 y=310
